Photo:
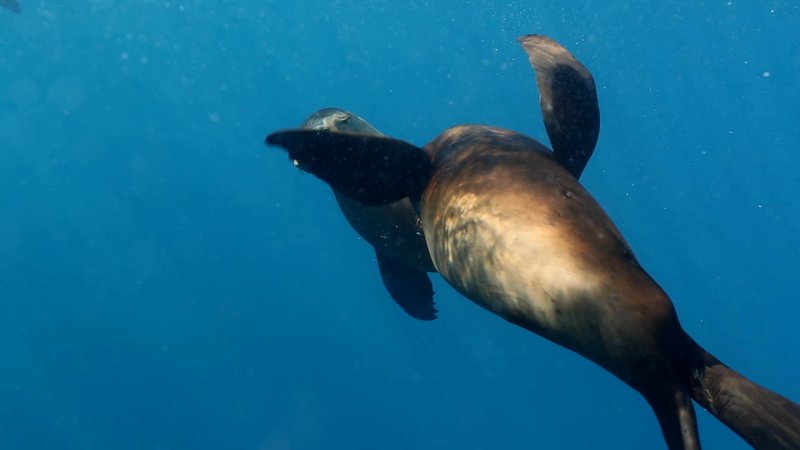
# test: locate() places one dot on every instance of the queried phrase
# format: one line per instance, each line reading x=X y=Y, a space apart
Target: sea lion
x=394 y=229
x=513 y=230
x=11 y=5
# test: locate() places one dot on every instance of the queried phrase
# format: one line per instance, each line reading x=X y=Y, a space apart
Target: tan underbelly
x=564 y=274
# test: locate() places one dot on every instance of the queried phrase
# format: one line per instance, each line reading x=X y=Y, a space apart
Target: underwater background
x=168 y=282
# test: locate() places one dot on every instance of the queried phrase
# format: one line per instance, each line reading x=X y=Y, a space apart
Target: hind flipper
x=765 y=419
x=568 y=101
x=373 y=170
x=672 y=404
x=409 y=287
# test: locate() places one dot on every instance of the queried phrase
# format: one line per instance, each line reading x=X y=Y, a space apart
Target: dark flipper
x=673 y=407
x=373 y=170
x=766 y=420
x=568 y=101
x=11 y=5
x=409 y=287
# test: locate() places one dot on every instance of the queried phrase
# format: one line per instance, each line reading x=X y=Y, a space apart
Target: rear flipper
x=766 y=420
x=411 y=288
x=675 y=413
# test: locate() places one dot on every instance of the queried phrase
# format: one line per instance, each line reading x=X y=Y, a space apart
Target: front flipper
x=568 y=101
x=374 y=170
x=411 y=288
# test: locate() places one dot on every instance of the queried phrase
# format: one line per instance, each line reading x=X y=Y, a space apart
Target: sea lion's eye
x=342 y=117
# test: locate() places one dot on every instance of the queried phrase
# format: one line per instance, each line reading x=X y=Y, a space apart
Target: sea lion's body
x=516 y=233
x=508 y=225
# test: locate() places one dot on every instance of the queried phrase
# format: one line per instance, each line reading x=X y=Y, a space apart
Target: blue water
x=167 y=282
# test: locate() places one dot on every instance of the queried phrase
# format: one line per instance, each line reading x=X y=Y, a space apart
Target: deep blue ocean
x=168 y=282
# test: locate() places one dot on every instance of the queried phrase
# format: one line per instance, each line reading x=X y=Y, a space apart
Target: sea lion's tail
x=763 y=418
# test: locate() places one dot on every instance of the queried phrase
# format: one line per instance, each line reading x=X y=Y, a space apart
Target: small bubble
x=766 y=74
x=485 y=62
x=215 y=117
x=124 y=56
x=144 y=60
